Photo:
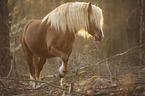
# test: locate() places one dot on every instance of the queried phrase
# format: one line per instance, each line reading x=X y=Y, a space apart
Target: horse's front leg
x=63 y=68
x=62 y=72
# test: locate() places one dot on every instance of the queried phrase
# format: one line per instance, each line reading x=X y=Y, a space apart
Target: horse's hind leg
x=35 y=64
x=29 y=59
x=38 y=65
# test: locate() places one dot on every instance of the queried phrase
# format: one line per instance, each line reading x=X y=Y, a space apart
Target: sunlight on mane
x=83 y=33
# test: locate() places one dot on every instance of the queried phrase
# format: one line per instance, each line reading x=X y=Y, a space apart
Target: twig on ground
x=2 y=84
x=46 y=82
x=36 y=81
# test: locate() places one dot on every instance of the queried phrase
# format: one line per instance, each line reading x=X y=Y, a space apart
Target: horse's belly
x=43 y=53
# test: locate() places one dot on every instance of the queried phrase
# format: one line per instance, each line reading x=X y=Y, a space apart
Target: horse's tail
x=22 y=39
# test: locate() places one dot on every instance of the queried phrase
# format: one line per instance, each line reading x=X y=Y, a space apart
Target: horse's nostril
x=96 y=38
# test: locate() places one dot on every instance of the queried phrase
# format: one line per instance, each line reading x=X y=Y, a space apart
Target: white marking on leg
x=62 y=72
x=37 y=85
x=32 y=83
x=61 y=81
x=62 y=69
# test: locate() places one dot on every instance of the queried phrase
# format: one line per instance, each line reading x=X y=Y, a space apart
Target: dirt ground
x=93 y=86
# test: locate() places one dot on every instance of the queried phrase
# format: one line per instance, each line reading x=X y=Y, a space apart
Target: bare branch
x=119 y=54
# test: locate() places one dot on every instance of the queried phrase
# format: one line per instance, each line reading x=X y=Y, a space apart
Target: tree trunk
x=142 y=30
x=4 y=39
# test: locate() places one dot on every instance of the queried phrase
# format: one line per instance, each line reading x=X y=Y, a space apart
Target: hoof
x=65 y=85
x=61 y=76
x=36 y=86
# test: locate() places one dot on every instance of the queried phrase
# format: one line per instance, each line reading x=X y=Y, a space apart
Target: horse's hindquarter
x=35 y=38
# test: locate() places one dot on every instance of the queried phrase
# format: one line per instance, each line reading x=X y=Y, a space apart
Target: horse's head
x=95 y=18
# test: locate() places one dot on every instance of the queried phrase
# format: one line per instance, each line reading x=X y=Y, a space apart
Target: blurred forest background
x=120 y=56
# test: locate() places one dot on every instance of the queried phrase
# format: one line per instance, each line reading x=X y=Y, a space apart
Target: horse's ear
x=96 y=4
x=89 y=7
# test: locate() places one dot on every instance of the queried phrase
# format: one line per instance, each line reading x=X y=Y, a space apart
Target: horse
x=54 y=35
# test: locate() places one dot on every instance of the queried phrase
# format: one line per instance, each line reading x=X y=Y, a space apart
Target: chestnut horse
x=53 y=36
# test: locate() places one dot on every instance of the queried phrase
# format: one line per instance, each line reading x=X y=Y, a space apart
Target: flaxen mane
x=74 y=16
